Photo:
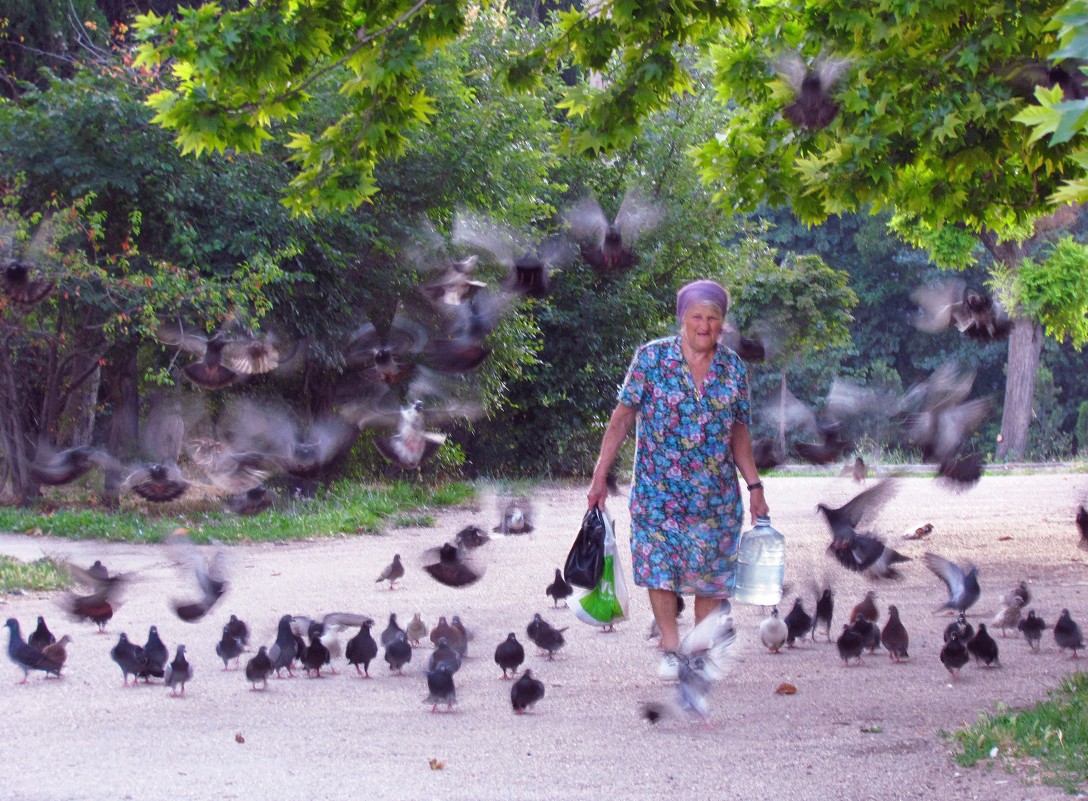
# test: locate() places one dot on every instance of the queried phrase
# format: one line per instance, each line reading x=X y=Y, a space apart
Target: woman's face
x=702 y=325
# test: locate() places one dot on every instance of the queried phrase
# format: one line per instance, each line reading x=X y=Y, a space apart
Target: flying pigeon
x=963 y=588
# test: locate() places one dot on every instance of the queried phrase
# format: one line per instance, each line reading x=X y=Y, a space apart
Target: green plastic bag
x=606 y=603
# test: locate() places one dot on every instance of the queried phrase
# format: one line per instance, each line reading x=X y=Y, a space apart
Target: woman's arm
x=741 y=443
x=623 y=417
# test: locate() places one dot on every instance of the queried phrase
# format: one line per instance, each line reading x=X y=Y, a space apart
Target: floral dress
x=686 y=509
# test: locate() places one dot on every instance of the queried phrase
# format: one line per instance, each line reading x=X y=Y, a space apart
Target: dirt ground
x=871 y=731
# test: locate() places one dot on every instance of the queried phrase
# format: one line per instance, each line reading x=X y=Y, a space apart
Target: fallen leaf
x=238 y=738
x=785 y=688
x=874 y=729
x=436 y=765
x=1004 y=538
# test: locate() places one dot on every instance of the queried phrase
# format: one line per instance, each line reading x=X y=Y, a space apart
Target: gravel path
x=865 y=732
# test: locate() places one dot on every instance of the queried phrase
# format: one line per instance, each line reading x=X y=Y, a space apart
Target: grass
x=1049 y=740
x=345 y=508
x=41 y=574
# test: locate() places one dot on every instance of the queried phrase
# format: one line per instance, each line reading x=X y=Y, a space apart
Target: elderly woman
x=689 y=396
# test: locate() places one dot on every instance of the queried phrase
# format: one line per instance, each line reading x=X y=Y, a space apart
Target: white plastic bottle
x=761 y=565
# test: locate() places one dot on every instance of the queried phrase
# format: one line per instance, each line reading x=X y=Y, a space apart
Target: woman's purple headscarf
x=701 y=292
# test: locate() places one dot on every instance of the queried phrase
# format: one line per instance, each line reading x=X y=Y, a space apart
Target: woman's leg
x=663 y=603
x=704 y=606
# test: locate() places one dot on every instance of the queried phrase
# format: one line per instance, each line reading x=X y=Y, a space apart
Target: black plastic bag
x=585 y=562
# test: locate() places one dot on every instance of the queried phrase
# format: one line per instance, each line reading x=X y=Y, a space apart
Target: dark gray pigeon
x=525 y=692
x=963 y=588
x=393 y=571
x=894 y=636
x=156 y=653
x=1033 y=627
x=285 y=648
x=954 y=655
x=208 y=571
x=559 y=590
x=1082 y=526
x=440 y=687
x=361 y=649
x=130 y=658
x=983 y=647
x=1067 y=634
x=798 y=623
x=444 y=656
x=229 y=647
x=41 y=636
x=825 y=609
x=259 y=668
x=546 y=637
x=26 y=657
x=961 y=627
x=237 y=629
x=391 y=632
x=869 y=632
x=398 y=653
x=509 y=654
x=177 y=673
x=850 y=644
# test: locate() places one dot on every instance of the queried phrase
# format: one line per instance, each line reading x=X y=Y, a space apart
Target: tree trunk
x=1025 y=349
x=782 y=415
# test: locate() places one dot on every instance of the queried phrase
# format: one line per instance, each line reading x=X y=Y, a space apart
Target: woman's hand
x=758 y=504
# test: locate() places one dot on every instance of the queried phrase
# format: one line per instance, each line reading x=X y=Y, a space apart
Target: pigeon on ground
x=798 y=623
x=471 y=537
x=961 y=627
x=545 y=637
x=954 y=654
x=1021 y=591
x=773 y=632
x=26 y=657
x=1008 y=616
x=509 y=654
x=251 y=502
x=130 y=658
x=177 y=673
x=259 y=668
x=452 y=566
x=983 y=647
x=229 y=647
x=825 y=608
x=466 y=635
x=361 y=649
x=1033 y=627
x=1067 y=634
x=444 y=655
x=559 y=590
x=398 y=653
x=851 y=644
x=870 y=633
x=284 y=650
x=525 y=692
x=515 y=515
x=327 y=631
x=866 y=609
x=98 y=571
x=391 y=632
x=963 y=588
x=317 y=655
x=156 y=653
x=57 y=651
x=41 y=636
x=210 y=578
x=440 y=687
x=416 y=629
x=393 y=571
x=812 y=108
x=444 y=631
x=894 y=636
x=238 y=629
x=1082 y=526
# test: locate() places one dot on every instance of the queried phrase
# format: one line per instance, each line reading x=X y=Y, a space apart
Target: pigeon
x=830 y=448
x=388 y=359
x=158 y=482
x=798 y=623
x=55 y=469
x=24 y=280
x=1082 y=526
x=525 y=692
x=57 y=651
x=869 y=556
x=1067 y=634
x=894 y=636
x=466 y=635
x=918 y=532
x=1068 y=74
x=856 y=551
x=444 y=631
x=98 y=571
x=361 y=649
x=251 y=502
x=130 y=658
x=954 y=654
x=944 y=305
x=608 y=245
x=961 y=627
x=509 y=654
x=98 y=605
x=515 y=516
x=471 y=537
x=317 y=655
x=229 y=647
x=398 y=653
x=866 y=609
x=440 y=687
x=412 y=444
x=767 y=453
x=851 y=644
x=452 y=566
x=983 y=647
x=238 y=629
x=859 y=471
x=259 y=668
x=1033 y=627
x=27 y=657
x=559 y=590
x=545 y=636
x=209 y=372
x=870 y=633
x=825 y=608
x=391 y=632
x=444 y=655
x=1021 y=591
x=455 y=285
x=773 y=632
x=178 y=672
x=693 y=686
x=41 y=636
x=393 y=571
x=416 y=629
x=285 y=648
x=963 y=588
x=1008 y=616
x=156 y=653
x=812 y=108
x=210 y=578
x=327 y=632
